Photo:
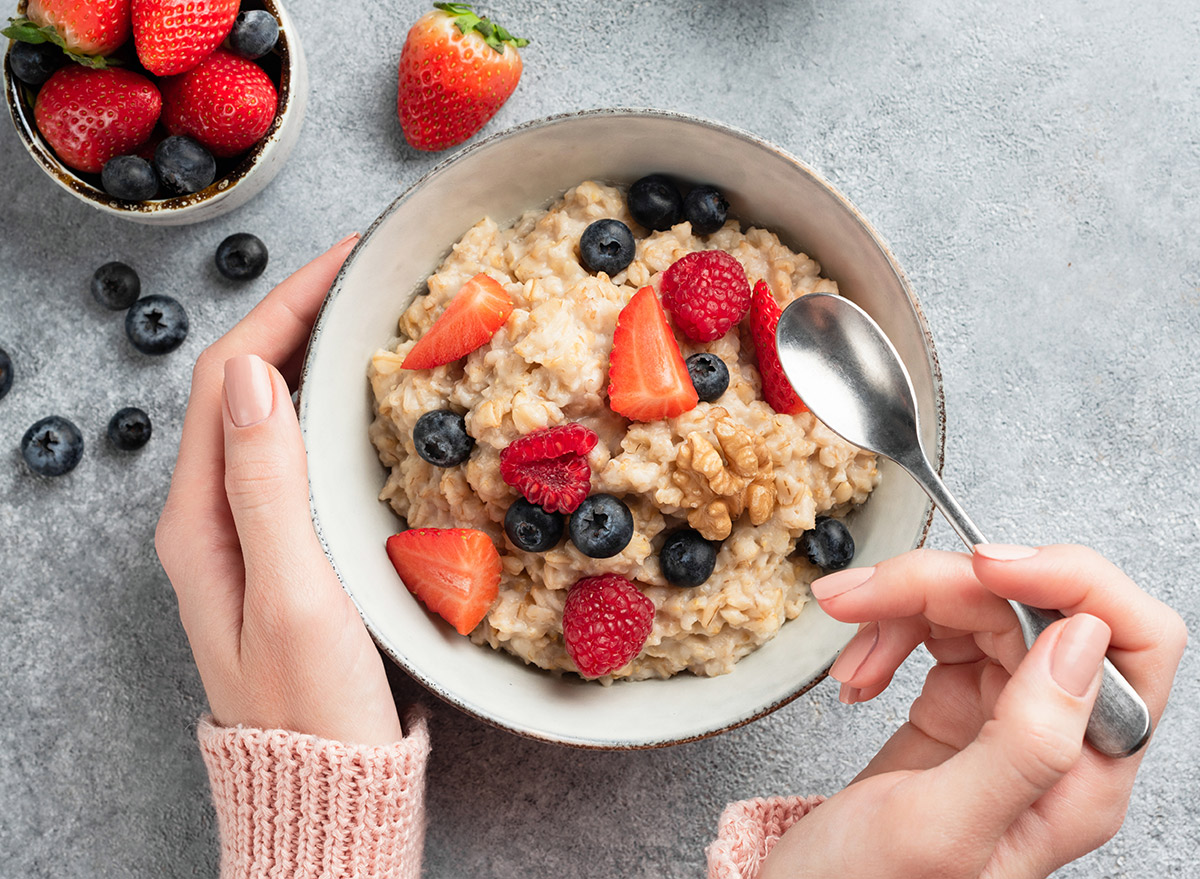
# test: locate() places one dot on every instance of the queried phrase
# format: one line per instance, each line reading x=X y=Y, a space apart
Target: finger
x=279 y=325
x=198 y=532
x=873 y=655
x=940 y=586
x=266 y=481
x=853 y=695
x=1033 y=740
x=1148 y=637
x=957 y=650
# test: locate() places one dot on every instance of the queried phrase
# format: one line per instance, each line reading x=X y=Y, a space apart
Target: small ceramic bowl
x=237 y=183
x=538 y=161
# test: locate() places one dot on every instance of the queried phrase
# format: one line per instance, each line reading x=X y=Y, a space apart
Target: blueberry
x=829 y=544
x=606 y=246
x=441 y=438
x=687 y=559
x=34 y=63
x=531 y=528
x=655 y=202
x=6 y=373
x=129 y=429
x=254 y=33
x=705 y=208
x=241 y=257
x=130 y=178
x=709 y=374
x=156 y=324
x=602 y=526
x=183 y=165
x=116 y=286
x=52 y=446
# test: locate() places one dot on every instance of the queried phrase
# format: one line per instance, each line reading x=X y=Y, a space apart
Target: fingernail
x=1079 y=652
x=848 y=694
x=840 y=582
x=353 y=236
x=248 y=391
x=1004 y=552
x=852 y=658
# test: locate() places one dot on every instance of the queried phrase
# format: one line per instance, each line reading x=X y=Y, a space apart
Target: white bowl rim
x=936 y=453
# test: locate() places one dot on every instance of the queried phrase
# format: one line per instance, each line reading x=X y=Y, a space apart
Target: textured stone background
x=1035 y=167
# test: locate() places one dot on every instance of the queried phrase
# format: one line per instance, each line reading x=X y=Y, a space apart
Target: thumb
x=266 y=478
x=1034 y=738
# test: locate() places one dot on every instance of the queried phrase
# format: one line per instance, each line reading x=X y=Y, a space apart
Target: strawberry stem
x=466 y=20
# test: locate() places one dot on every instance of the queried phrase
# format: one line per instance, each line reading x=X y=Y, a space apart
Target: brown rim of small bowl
x=52 y=165
x=448 y=164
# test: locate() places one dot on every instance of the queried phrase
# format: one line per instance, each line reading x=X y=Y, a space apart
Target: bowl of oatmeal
x=747 y=477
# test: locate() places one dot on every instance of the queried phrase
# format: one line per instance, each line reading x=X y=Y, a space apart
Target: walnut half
x=720 y=482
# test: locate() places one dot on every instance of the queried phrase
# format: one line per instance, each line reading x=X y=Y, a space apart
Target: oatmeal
x=733 y=469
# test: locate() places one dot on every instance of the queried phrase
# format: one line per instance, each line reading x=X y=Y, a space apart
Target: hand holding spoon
x=849 y=375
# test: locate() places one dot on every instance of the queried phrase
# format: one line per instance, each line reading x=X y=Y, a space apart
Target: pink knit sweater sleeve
x=749 y=829
x=300 y=806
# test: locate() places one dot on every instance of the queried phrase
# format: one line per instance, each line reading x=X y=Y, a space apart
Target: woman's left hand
x=277 y=641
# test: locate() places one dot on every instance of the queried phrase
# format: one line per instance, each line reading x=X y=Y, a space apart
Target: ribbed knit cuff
x=300 y=806
x=749 y=829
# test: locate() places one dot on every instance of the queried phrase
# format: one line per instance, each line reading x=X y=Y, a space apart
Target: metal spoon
x=849 y=375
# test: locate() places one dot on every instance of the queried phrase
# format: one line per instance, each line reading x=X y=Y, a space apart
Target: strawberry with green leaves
x=87 y=30
x=456 y=70
x=173 y=36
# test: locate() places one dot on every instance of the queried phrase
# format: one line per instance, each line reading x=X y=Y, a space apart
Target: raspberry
x=706 y=293
x=606 y=620
x=549 y=467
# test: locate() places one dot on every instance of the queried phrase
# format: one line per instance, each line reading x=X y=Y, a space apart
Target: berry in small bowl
x=153 y=121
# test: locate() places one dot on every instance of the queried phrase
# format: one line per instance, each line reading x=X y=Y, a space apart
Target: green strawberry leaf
x=466 y=20
x=25 y=31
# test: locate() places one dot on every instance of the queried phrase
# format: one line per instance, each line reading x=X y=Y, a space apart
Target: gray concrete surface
x=1036 y=167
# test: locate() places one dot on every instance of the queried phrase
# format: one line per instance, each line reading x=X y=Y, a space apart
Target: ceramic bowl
x=237 y=183
x=538 y=161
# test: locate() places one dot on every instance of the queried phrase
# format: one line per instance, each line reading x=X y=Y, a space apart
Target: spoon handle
x=1120 y=722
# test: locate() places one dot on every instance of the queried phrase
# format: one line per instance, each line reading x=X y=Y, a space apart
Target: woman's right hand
x=990 y=776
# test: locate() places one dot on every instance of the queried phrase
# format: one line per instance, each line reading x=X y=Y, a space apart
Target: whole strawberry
x=173 y=36
x=226 y=103
x=86 y=30
x=456 y=70
x=88 y=116
x=606 y=621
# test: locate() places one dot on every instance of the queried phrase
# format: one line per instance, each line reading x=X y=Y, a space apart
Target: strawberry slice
x=474 y=314
x=764 y=317
x=455 y=572
x=647 y=377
